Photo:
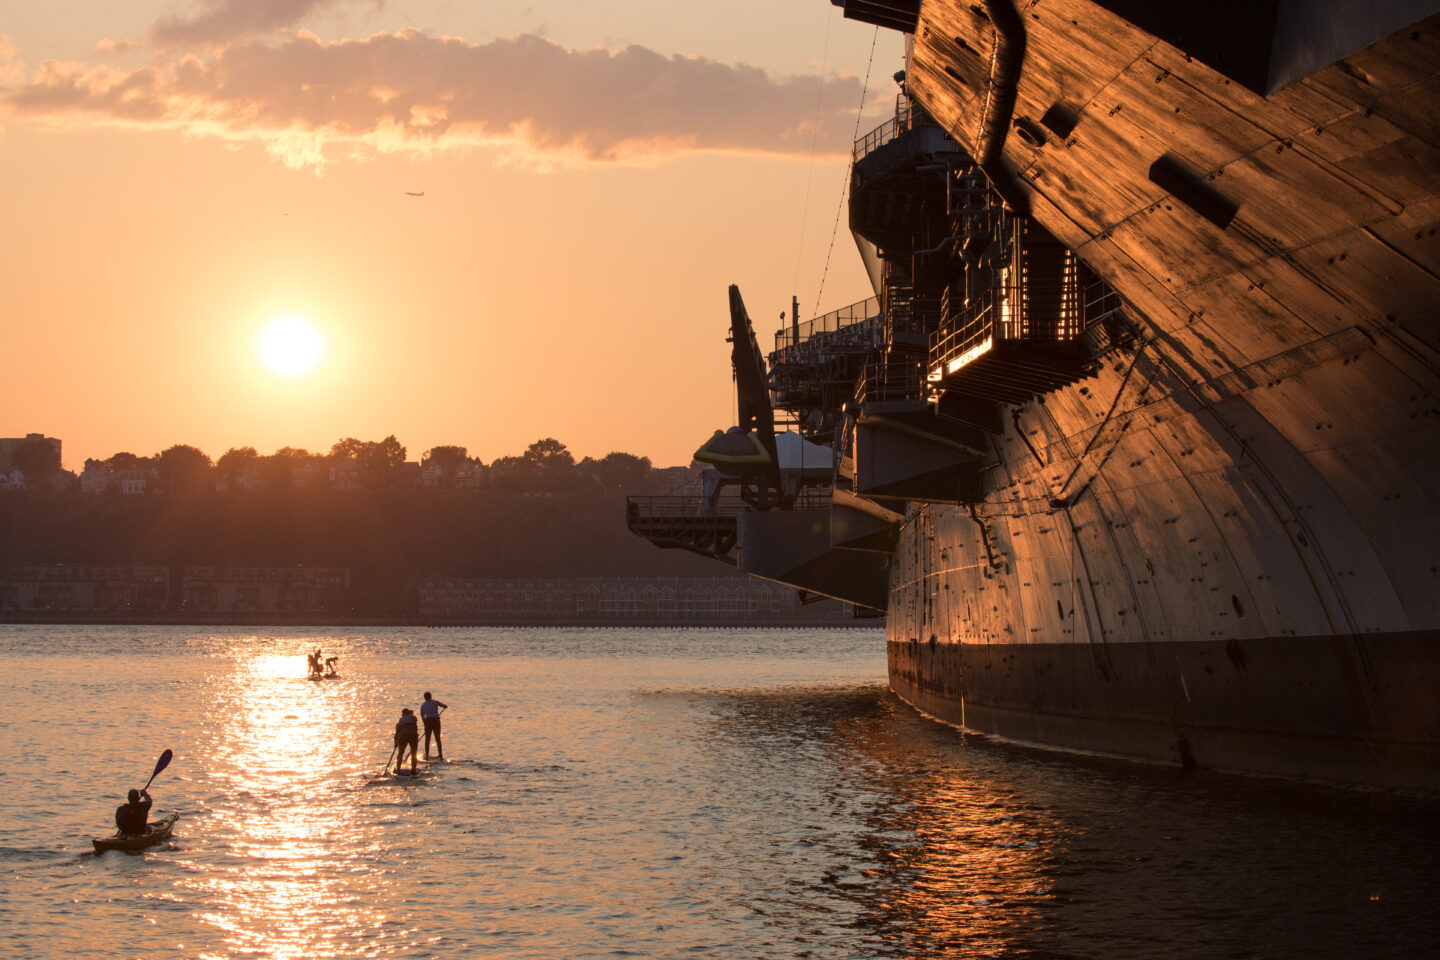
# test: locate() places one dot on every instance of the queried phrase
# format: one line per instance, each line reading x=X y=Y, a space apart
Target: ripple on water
x=631 y=793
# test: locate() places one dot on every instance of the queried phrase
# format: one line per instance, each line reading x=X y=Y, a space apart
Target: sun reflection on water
x=297 y=829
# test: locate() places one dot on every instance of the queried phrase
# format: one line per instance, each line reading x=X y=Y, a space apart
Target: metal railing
x=691 y=506
x=1002 y=313
x=882 y=382
x=845 y=318
x=884 y=133
x=964 y=333
x=698 y=510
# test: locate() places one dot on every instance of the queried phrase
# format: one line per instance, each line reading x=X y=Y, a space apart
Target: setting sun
x=291 y=346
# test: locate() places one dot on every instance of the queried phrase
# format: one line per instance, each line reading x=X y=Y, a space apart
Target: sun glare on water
x=290 y=346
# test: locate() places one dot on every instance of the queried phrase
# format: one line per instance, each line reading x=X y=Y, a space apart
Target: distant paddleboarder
x=407 y=734
x=133 y=816
x=430 y=713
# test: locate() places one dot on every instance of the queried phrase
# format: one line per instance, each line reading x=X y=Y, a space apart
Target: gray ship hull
x=1265 y=706
x=1223 y=549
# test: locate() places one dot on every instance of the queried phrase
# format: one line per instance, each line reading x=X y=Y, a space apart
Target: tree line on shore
x=387 y=537
x=546 y=465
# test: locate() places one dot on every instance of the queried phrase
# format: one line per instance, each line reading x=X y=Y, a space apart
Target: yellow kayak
x=156 y=831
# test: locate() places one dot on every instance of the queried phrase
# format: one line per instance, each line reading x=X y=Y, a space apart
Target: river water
x=651 y=793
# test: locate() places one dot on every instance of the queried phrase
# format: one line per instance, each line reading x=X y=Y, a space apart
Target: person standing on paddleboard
x=133 y=817
x=407 y=734
x=430 y=713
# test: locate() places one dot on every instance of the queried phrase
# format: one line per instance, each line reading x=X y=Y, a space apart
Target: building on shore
x=603 y=600
x=10 y=445
x=303 y=590
x=128 y=591
x=122 y=589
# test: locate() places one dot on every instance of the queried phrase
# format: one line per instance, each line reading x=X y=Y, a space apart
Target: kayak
x=157 y=830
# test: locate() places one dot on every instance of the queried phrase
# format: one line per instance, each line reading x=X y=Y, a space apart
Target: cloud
x=311 y=102
x=222 y=20
x=12 y=68
x=108 y=48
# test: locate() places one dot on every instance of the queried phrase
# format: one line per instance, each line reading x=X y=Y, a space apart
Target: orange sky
x=595 y=175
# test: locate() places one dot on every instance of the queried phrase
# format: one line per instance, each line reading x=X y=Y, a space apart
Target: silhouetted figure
x=132 y=817
x=314 y=661
x=330 y=663
x=407 y=734
x=430 y=713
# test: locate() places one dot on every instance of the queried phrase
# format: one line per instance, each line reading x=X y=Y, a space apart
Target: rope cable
x=845 y=187
x=814 y=135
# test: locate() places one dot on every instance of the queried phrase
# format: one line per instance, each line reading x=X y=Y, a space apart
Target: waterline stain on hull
x=1191 y=703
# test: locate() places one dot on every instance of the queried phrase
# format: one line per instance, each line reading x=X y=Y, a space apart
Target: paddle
x=160 y=764
x=391 y=757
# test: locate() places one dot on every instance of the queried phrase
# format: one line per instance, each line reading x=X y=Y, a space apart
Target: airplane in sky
x=409 y=194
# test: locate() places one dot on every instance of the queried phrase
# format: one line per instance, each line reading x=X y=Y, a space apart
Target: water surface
x=651 y=793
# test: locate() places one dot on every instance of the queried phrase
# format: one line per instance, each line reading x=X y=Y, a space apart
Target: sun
x=290 y=346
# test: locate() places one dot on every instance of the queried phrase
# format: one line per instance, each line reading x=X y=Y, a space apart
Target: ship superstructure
x=1137 y=445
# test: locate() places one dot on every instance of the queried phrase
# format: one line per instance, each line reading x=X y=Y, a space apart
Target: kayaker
x=407 y=734
x=132 y=817
x=430 y=714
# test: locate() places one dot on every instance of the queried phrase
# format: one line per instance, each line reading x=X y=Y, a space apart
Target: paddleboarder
x=133 y=816
x=430 y=714
x=407 y=734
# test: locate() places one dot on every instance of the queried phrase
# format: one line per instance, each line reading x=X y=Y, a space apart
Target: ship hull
x=1244 y=580
x=1224 y=549
x=1266 y=706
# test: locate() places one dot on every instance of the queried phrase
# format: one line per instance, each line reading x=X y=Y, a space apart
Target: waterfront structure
x=268 y=590
x=110 y=588
x=1137 y=447
x=129 y=591
x=617 y=600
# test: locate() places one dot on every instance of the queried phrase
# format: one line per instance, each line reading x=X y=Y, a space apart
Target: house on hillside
x=137 y=480
x=345 y=474
x=97 y=477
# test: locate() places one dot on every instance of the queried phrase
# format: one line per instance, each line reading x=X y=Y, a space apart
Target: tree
x=619 y=471
x=234 y=460
x=385 y=456
x=513 y=473
x=39 y=460
x=124 y=460
x=184 y=470
x=378 y=458
x=279 y=467
x=347 y=449
x=550 y=454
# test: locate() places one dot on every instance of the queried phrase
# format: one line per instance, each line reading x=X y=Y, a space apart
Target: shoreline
x=72 y=618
